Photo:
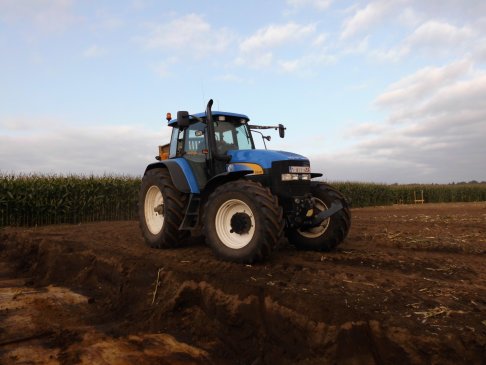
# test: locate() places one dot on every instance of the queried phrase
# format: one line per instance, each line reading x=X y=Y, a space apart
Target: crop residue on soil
x=408 y=286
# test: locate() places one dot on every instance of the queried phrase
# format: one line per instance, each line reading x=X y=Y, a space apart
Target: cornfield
x=29 y=200
x=367 y=194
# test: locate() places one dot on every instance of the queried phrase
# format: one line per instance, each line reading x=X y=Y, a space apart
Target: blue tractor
x=210 y=180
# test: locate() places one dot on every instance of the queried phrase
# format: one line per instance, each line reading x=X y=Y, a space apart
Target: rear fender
x=180 y=173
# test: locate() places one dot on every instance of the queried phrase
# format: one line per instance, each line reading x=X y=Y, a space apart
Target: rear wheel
x=161 y=210
x=243 y=221
x=332 y=231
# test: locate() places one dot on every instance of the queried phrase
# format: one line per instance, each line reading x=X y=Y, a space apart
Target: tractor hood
x=264 y=158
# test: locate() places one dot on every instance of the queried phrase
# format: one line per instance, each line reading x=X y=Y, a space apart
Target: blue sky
x=381 y=91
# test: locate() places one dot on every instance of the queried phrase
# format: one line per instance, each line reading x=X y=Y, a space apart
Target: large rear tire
x=161 y=210
x=332 y=231
x=243 y=221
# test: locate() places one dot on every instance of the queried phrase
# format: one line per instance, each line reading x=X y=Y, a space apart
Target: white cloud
x=433 y=34
x=139 y=4
x=434 y=38
x=463 y=97
x=365 y=18
x=359 y=87
x=256 y=61
x=291 y=66
x=257 y=50
x=94 y=51
x=435 y=130
x=232 y=78
x=107 y=22
x=436 y=29
x=276 y=35
x=409 y=17
x=190 y=32
x=163 y=68
x=19 y=124
x=66 y=149
x=461 y=10
x=356 y=48
x=415 y=88
x=48 y=15
x=318 y=4
x=307 y=63
x=320 y=40
x=437 y=98
x=438 y=37
x=364 y=129
x=411 y=13
x=394 y=54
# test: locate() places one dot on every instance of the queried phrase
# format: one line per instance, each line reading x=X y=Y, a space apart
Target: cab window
x=232 y=136
x=175 y=142
x=195 y=141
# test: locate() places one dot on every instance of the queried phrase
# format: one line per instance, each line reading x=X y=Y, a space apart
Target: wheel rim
x=318 y=231
x=154 y=217
x=223 y=224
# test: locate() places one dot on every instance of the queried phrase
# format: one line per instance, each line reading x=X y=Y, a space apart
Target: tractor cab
x=210 y=142
x=230 y=132
x=205 y=144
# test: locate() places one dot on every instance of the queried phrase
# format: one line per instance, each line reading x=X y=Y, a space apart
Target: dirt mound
x=407 y=286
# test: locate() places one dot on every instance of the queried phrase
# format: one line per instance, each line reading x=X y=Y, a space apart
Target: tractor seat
x=224 y=147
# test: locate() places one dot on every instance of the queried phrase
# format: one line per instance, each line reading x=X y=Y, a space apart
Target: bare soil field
x=408 y=286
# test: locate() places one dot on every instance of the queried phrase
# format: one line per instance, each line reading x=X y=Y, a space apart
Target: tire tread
x=272 y=213
x=174 y=202
x=338 y=227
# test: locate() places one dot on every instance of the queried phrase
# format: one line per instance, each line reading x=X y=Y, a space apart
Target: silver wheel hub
x=314 y=232
x=154 y=210
x=235 y=224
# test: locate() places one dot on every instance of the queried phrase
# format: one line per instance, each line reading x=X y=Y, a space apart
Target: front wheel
x=332 y=231
x=243 y=221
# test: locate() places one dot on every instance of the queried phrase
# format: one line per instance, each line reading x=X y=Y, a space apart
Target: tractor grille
x=287 y=189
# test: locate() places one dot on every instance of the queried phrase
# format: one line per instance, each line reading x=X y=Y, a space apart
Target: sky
x=373 y=91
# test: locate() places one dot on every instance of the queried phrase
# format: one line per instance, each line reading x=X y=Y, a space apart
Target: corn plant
x=28 y=200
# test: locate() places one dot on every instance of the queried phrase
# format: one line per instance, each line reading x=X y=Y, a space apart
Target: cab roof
x=173 y=122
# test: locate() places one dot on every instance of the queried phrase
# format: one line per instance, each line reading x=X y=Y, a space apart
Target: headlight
x=295 y=177
x=289 y=177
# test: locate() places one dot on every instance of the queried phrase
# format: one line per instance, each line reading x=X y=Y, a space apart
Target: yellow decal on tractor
x=257 y=169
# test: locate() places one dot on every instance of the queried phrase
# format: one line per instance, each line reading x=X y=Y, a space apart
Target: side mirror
x=281 y=129
x=182 y=119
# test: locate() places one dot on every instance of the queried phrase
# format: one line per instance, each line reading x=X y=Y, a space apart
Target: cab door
x=196 y=153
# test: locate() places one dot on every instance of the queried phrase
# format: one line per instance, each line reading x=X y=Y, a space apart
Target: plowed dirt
x=408 y=286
